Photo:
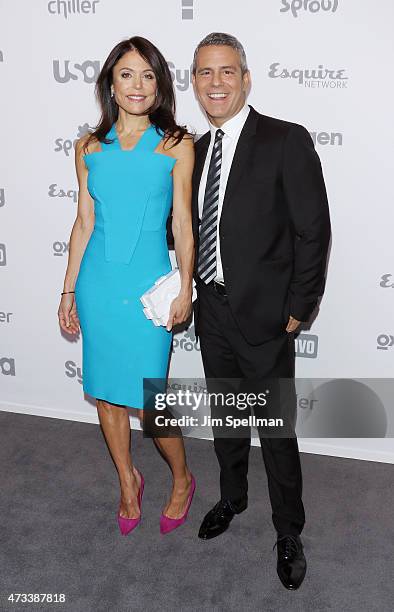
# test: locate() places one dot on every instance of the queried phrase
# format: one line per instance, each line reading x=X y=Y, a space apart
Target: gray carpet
x=59 y=495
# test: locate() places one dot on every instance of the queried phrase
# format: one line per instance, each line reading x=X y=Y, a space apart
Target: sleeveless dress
x=127 y=251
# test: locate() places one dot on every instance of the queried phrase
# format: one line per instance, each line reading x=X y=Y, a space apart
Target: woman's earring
x=112 y=93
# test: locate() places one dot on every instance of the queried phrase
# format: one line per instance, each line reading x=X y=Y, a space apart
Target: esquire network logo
x=60 y=248
x=55 y=192
x=387 y=281
x=3 y=255
x=186 y=341
x=73 y=371
x=311 y=6
x=72 y=7
x=384 y=342
x=7 y=366
x=65 y=145
x=314 y=78
x=2 y=197
x=89 y=70
x=306 y=345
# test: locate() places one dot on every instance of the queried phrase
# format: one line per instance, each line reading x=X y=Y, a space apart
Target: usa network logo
x=186 y=342
x=314 y=78
x=306 y=345
x=88 y=71
x=310 y=6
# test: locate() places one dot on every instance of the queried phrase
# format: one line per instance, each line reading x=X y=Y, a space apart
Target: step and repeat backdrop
x=323 y=63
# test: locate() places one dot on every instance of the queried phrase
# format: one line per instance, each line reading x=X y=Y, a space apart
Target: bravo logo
x=187 y=341
x=73 y=371
x=311 y=6
x=7 y=366
x=306 y=345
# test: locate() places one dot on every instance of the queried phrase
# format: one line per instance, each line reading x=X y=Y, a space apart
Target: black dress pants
x=226 y=355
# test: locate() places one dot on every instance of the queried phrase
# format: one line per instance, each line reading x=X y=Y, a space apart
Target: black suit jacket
x=274 y=228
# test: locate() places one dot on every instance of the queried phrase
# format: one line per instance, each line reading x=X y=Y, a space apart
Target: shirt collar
x=233 y=126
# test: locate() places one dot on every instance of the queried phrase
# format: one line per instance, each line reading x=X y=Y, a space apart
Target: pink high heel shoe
x=168 y=524
x=128 y=524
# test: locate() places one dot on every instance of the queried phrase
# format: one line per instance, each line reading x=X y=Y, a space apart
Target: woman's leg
x=115 y=424
x=172 y=450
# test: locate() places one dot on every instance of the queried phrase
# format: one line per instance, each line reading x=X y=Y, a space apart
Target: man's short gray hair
x=220 y=38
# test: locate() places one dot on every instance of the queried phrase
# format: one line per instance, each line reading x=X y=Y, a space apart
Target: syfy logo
x=2 y=197
x=60 y=248
x=3 y=255
x=5 y=317
x=54 y=192
x=88 y=70
x=316 y=78
x=65 y=145
x=187 y=9
x=306 y=345
x=311 y=6
x=327 y=138
x=7 y=366
x=182 y=78
x=387 y=281
x=73 y=371
x=187 y=342
x=72 y=7
x=384 y=342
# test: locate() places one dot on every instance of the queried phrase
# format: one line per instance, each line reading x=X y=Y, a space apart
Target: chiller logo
x=55 y=192
x=327 y=138
x=60 y=248
x=3 y=255
x=73 y=371
x=7 y=366
x=187 y=342
x=89 y=70
x=2 y=197
x=387 y=281
x=306 y=345
x=5 y=317
x=72 y=7
x=311 y=6
x=384 y=342
x=319 y=77
x=66 y=144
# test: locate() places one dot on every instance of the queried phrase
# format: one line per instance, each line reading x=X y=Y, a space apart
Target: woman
x=131 y=169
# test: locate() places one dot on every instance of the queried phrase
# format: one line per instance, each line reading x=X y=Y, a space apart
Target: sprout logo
x=311 y=6
x=65 y=145
x=187 y=342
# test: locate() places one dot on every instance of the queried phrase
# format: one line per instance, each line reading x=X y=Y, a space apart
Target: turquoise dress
x=127 y=251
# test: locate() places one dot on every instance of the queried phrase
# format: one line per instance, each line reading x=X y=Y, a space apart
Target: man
x=261 y=227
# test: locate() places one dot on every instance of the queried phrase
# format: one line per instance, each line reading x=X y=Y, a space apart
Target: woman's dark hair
x=161 y=113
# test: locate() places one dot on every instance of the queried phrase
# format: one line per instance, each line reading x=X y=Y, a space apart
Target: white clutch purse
x=157 y=300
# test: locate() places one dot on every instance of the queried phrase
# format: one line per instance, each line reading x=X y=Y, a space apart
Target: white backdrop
x=323 y=63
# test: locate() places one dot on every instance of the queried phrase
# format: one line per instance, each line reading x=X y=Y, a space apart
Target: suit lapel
x=201 y=153
x=241 y=154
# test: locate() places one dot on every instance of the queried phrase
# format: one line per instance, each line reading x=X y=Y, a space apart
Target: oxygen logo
x=73 y=371
x=7 y=366
x=2 y=197
x=387 y=281
x=306 y=345
x=327 y=138
x=88 y=70
x=311 y=6
x=187 y=9
x=3 y=255
x=182 y=77
x=72 y=7
x=66 y=144
x=384 y=342
x=54 y=192
x=187 y=341
x=320 y=77
x=60 y=248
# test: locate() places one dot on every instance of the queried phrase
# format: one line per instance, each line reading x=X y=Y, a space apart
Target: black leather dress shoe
x=219 y=518
x=291 y=565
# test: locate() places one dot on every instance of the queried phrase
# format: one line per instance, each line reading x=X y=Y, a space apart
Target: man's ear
x=193 y=79
x=246 y=80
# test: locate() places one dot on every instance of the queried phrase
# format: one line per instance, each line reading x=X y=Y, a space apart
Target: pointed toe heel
x=126 y=525
x=168 y=524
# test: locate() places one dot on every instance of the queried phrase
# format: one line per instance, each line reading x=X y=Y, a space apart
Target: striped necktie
x=209 y=220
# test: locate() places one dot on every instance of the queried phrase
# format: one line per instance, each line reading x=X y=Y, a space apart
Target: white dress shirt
x=232 y=130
